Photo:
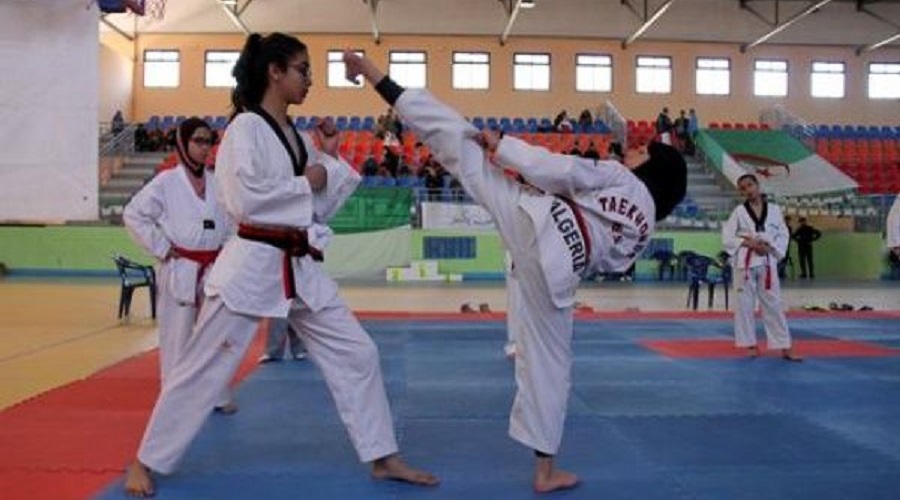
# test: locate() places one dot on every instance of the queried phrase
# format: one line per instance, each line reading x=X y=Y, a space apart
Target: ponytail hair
x=251 y=71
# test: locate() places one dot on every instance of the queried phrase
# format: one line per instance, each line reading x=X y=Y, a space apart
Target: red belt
x=579 y=221
x=747 y=269
x=203 y=258
x=294 y=242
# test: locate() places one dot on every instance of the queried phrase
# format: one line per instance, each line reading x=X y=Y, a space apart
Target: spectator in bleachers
x=561 y=123
x=585 y=120
x=575 y=151
x=615 y=152
x=664 y=126
x=805 y=235
x=169 y=140
x=118 y=122
x=141 y=139
x=681 y=130
x=591 y=152
x=391 y=161
x=693 y=123
x=370 y=166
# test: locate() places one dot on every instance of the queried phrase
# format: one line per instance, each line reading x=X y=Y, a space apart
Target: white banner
x=437 y=215
x=50 y=97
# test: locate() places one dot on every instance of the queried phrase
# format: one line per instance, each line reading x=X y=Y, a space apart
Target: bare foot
x=547 y=478
x=392 y=467
x=753 y=351
x=137 y=481
x=229 y=408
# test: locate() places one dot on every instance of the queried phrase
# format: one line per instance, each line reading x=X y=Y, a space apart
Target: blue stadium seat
x=369 y=181
x=478 y=122
x=220 y=123
x=368 y=123
x=300 y=123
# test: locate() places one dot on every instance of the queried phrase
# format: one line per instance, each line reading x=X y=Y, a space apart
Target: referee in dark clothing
x=805 y=235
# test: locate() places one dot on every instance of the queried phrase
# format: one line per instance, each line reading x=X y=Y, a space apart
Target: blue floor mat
x=641 y=426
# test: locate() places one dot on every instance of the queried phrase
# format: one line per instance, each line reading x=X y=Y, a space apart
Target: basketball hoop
x=156 y=8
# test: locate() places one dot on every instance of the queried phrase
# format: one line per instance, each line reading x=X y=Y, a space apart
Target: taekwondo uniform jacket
x=257 y=185
x=769 y=228
x=167 y=212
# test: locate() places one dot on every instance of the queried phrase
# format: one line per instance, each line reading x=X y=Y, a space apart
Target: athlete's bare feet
x=137 y=481
x=392 y=467
x=547 y=478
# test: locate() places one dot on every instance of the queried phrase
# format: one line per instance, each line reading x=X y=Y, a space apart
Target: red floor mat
x=712 y=349
x=73 y=440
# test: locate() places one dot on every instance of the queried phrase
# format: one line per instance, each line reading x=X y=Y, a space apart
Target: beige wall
x=117 y=82
x=501 y=100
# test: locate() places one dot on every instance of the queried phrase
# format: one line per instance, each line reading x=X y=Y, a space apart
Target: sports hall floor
x=662 y=406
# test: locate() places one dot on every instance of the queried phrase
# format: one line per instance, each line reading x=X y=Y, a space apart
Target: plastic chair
x=133 y=276
x=666 y=260
x=697 y=273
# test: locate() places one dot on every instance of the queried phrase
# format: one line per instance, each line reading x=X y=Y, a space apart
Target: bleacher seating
x=869 y=154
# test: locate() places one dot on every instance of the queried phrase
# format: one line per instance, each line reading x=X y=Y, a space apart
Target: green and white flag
x=783 y=165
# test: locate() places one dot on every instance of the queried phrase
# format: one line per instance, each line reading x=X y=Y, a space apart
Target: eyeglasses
x=304 y=70
x=202 y=141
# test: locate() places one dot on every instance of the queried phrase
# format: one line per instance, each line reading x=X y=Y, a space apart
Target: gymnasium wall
x=116 y=77
x=501 y=100
x=61 y=250
x=48 y=134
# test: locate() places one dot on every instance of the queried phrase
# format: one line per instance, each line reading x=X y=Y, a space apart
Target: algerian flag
x=783 y=165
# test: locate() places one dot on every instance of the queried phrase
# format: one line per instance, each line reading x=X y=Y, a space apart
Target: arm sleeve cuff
x=389 y=90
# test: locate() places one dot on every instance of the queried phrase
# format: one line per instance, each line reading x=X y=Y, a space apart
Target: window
x=531 y=71
x=471 y=70
x=770 y=78
x=593 y=73
x=884 y=80
x=337 y=72
x=654 y=75
x=161 y=68
x=713 y=76
x=219 y=64
x=408 y=69
x=827 y=79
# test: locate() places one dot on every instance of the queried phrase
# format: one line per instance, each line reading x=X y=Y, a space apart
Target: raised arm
x=552 y=172
x=443 y=129
x=340 y=179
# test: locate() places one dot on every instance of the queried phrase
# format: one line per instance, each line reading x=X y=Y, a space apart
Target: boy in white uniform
x=277 y=186
x=756 y=238
x=592 y=215
x=893 y=228
x=177 y=219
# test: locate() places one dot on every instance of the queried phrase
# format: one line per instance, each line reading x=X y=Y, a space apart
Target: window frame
x=424 y=63
x=869 y=74
x=638 y=67
x=144 y=66
x=453 y=66
x=345 y=85
x=612 y=74
x=549 y=67
x=697 y=70
x=787 y=78
x=206 y=63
